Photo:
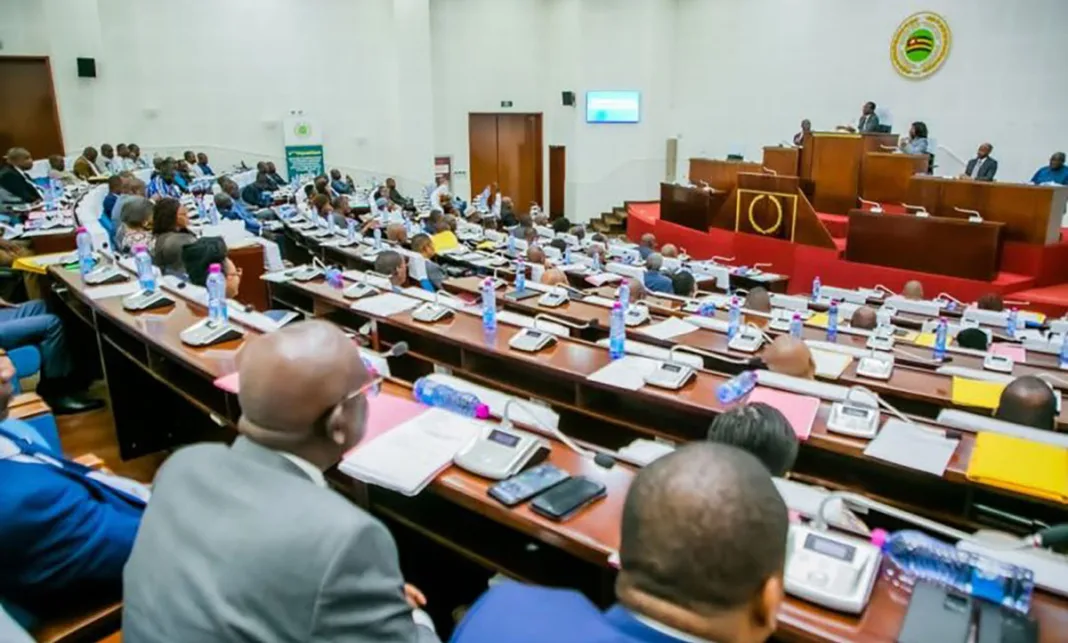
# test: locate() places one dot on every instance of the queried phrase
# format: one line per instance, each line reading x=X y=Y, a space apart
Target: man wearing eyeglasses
x=248 y=542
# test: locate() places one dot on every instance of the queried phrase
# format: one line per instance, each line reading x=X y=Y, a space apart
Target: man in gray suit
x=246 y=542
x=983 y=167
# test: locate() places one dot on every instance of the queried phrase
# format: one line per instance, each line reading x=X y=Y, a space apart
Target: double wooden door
x=506 y=149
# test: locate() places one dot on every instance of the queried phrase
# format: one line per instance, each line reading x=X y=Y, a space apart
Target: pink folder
x=800 y=410
x=1015 y=352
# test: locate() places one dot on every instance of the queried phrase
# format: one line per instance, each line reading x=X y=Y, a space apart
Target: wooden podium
x=834 y=160
x=1031 y=213
x=885 y=176
x=773 y=206
x=722 y=175
x=691 y=207
x=784 y=161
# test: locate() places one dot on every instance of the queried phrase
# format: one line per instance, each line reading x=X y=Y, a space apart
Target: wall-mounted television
x=613 y=107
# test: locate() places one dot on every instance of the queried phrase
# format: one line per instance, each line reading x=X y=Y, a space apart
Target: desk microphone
x=1050 y=537
x=398 y=349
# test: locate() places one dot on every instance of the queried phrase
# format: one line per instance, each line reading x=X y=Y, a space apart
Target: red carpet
x=1052 y=300
x=1023 y=266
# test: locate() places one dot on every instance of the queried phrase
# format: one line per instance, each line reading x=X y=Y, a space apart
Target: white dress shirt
x=308 y=468
x=978 y=164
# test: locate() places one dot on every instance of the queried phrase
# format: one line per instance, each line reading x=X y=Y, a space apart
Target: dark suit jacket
x=12 y=180
x=987 y=172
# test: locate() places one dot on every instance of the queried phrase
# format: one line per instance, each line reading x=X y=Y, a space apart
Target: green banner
x=304 y=160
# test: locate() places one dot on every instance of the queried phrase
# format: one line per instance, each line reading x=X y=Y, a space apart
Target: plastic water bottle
x=351 y=230
x=216 y=283
x=1010 y=324
x=832 y=321
x=941 y=331
x=736 y=387
x=734 y=318
x=489 y=305
x=1062 y=360
x=334 y=278
x=597 y=262
x=520 y=275
x=816 y=288
x=331 y=225
x=796 y=326
x=146 y=273
x=707 y=308
x=213 y=212
x=511 y=243
x=378 y=238
x=617 y=332
x=624 y=294
x=567 y=255
x=84 y=240
x=51 y=195
x=914 y=556
x=443 y=396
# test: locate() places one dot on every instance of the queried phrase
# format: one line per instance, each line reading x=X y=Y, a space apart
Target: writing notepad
x=830 y=365
x=626 y=372
x=915 y=446
x=819 y=319
x=800 y=410
x=969 y=392
x=925 y=339
x=1015 y=352
x=1020 y=465
x=669 y=328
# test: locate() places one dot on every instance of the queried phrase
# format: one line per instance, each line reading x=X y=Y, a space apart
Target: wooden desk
x=784 y=161
x=253 y=290
x=692 y=207
x=721 y=175
x=834 y=160
x=936 y=245
x=456 y=513
x=1031 y=213
x=885 y=176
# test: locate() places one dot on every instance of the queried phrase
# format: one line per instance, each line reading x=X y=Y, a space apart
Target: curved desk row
x=162 y=394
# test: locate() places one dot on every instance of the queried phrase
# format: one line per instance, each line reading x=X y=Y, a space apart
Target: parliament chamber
x=331 y=372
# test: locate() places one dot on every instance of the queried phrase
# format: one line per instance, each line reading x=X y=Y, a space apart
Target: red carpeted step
x=1052 y=300
x=836 y=224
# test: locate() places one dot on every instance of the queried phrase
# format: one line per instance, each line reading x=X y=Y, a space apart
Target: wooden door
x=28 y=114
x=506 y=149
x=557 y=180
x=482 y=141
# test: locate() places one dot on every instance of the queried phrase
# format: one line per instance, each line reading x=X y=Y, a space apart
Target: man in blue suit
x=654 y=280
x=66 y=530
x=702 y=551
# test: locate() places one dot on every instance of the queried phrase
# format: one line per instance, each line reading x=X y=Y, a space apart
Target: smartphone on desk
x=563 y=500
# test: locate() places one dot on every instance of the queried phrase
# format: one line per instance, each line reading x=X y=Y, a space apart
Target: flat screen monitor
x=613 y=107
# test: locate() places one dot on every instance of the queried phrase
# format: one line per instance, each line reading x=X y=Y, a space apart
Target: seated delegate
x=392 y=264
x=170 y=223
x=16 y=186
x=248 y=542
x=199 y=256
x=1054 y=173
x=135 y=226
x=164 y=183
x=916 y=142
x=422 y=244
x=66 y=530
x=654 y=280
x=702 y=551
x=983 y=167
x=1028 y=401
x=761 y=430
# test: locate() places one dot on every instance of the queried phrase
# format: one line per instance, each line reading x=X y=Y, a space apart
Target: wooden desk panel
x=885 y=176
x=785 y=161
x=835 y=169
x=1031 y=213
x=936 y=245
x=253 y=290
x=721 y=175
x=692 y=207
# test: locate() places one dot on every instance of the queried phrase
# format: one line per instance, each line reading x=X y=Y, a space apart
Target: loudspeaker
x=568 y=98
x=87 y=68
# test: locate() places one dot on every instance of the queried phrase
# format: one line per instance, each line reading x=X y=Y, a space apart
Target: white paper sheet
x=408 y=457
x=913 y=446
x=113 y=290
x=709 y=323
x=603 y=278
x=626 y=372
x=830 y=365
x=670 y=327
x=596 y=300
x=385 y=305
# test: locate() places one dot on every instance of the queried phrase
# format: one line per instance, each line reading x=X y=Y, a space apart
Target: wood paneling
x=783 y=160
x=557 y=179
x=1031 y=213
x=506 y=149
x=885 y=176
x=28 y=113
x=937 y=245
x=835 y=170
x=721 y=175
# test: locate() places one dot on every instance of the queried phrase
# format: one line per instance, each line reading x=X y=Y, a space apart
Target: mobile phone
x=563 y=500
x=936 y=614
x=524 y=486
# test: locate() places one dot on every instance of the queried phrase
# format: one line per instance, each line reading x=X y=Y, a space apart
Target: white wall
x=392 y=81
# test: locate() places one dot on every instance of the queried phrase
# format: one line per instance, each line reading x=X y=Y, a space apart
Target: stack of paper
x=385 y=304
x=669 y=328
x=408 y=457
x=830 y=365
x=626 y=372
